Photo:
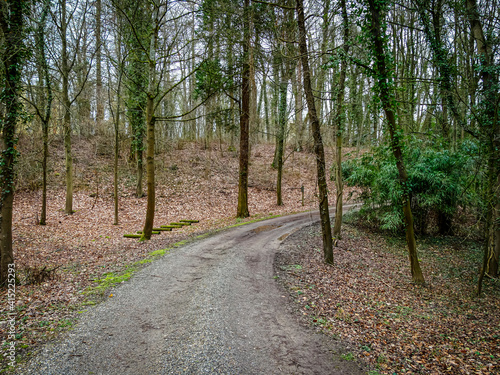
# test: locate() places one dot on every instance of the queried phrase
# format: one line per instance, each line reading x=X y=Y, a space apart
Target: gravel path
x=210 y=307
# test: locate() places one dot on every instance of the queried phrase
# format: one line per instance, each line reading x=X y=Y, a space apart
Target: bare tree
x=318 y=142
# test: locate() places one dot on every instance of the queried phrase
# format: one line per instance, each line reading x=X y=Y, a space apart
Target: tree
x=119 y=66
x=318 y=142
x=65 y=71
x=339 y=119
x=40 y=96
x=285 y=67
x=136 y=31
x=490 y=129
x=159 y=54
x=242 y=210
x=68 y=57
x=12 y=26
x=152 y=93
x=384 y=87
x=432 y=32
x=98 y=70
x=44 y=112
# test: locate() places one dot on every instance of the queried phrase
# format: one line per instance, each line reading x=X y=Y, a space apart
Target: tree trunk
x=45 y=112
x=150 y=136
x=242 y=210
x=117 y=129
x=490 y=131
x=297 y=92
x=150 y=165
x=339 y=128
x=254 y=131
x=321 y=73
x=12 y=27
x=281 y=134
x=45 y=156
x=275 y=103
x=65 y=70
x=318 y=142
x=136 y=19
x=140 y=166
x=6 y=251
x=286 y=72
x=266 y=109
x=98 y=70
x=493 y=266
x=115 y=170
x=384 y=82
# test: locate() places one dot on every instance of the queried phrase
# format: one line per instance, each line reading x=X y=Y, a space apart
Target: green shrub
x=439 y=181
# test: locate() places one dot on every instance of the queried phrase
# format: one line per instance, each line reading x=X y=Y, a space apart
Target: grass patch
x=157 y=253
x=109 y=280
x=144 y=261
x=347 y=357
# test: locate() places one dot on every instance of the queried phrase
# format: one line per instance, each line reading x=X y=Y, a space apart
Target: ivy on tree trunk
x=12 y=56
x=384 y=87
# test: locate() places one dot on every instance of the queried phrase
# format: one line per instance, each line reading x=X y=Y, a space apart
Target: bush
x=439 y=181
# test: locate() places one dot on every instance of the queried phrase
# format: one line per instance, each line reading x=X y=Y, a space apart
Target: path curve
x=210 y=307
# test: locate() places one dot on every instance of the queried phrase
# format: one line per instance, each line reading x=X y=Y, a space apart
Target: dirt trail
x=210 y=307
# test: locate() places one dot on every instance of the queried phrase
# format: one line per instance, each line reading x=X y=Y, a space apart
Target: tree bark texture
x=318 y=142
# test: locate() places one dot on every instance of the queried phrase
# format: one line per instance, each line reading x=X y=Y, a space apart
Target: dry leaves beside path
x=399 y=328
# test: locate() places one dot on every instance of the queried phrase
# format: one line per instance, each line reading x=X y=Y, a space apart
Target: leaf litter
x=367 y=299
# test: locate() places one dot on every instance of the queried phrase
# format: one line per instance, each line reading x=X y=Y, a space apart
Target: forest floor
x=368 y=299
x=81 y=255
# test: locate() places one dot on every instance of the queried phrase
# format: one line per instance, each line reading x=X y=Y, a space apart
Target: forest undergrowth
x=367 y=299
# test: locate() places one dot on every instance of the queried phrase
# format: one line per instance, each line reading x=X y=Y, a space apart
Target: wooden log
x=189 y=221
x=129 y=235
x=153 y=232
x=162 y=229
x=181 y=224
x=171 y=226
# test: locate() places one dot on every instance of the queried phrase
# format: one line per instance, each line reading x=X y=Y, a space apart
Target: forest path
x=210 y=307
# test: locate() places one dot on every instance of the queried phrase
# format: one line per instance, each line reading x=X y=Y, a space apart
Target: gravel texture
x=210 y=307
